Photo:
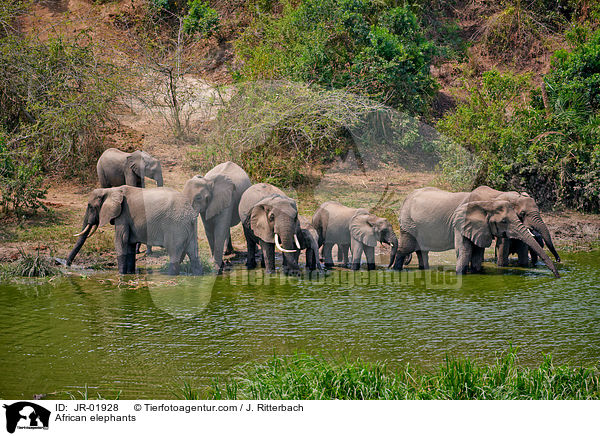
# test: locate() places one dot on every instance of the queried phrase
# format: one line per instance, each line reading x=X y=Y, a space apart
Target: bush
x=344 y=44
x=20 y=181
x=54 y=98
x=287 y=133
x=550 y=149
x=201 y=19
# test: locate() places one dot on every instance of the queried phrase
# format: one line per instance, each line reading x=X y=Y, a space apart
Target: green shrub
x=551 y=149
x=287 y=133
x=201 y=19
x=20 y=180
x=346 y=44
x=54 y=99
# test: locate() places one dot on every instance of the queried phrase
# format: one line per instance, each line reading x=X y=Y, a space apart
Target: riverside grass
x=311 y=377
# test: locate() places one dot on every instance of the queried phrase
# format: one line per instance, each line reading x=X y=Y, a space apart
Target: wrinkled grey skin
x=265 y=211
x=529 y=214
x=436 y=220
x=159 y=216
x=357 y=228
x=216 y=197
x=308 y=238
x=117 y=168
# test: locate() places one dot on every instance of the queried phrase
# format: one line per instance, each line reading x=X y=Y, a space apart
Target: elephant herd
x=430 y=220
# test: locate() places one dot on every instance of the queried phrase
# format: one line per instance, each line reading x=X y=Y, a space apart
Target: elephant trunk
x=159 y=179
x=519 y=231
x=315 y=253
x=535 y=222
x=80 y=241
x=393 y=241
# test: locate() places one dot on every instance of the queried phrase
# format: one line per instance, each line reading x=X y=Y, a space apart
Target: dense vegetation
x=544 y=139
x=54 y=98
x=310 y=377
x=340 y=63
x=357 y=45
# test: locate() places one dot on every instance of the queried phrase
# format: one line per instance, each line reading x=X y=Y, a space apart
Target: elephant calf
x=357 y=228
x=117 y=168
x=308 y=238
x=159 y=216
x=270 y=218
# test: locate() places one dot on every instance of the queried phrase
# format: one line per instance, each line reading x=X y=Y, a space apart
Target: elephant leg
x=327 y=256
x=464 y=252
x=503 y=250
x=534 y=257
x=251 y=253
x=370 y=255
x=121 y=247
x=192 y=252
x=345 y=249
x=357 y=249
x=268 y=251
x=220 y=234
x=340 y=253
x=209 y=229
x=477 y=258
x=130 y=260
x=423 y=257
x=406 y=245
x=522 y=252
x=229 y=249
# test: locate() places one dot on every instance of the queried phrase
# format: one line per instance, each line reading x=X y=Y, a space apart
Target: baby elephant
x=117 y=168
x=357 y=228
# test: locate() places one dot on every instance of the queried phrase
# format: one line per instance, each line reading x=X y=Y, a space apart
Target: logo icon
x=26 y=415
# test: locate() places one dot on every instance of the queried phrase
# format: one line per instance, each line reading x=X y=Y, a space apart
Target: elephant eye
x=271 y=217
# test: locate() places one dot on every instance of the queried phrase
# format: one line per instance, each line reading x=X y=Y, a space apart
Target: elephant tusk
x=297 y=242
x=279 y=247
x=94 y=228
x=529 y=231
x=83 y=231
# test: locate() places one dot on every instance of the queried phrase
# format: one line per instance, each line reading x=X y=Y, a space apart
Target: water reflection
x=141 y=334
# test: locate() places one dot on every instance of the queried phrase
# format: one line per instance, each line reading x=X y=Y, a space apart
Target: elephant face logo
x=26 y=415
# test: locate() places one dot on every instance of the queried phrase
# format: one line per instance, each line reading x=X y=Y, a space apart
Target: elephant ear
x=361 y=228
x=222 y=194
x=471 y=221
x=134 y=168
x=259 y=223
x=111 y=206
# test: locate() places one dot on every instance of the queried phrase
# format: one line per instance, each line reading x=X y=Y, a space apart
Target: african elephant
x=357 y=228
x=436 y=220
x=529 y=214
x=216 y=197
x=270 y=218
x=308 y=238
x=159 y=216
x=117 y=168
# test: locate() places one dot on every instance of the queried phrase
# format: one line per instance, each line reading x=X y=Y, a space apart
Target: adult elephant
x=216 y=197
x=528 y=212
x=117 y=168
x=270 y=218
x=357 y=228
x=159 y=216
x=436 y=220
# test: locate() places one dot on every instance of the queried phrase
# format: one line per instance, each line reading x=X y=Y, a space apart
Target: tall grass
x=310 y=377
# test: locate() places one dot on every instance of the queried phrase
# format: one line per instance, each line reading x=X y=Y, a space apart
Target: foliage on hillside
x=54 y=98
x=547 y=144
x=357 y=45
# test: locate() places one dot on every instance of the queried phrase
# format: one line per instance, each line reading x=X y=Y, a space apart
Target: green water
x=145 y=335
